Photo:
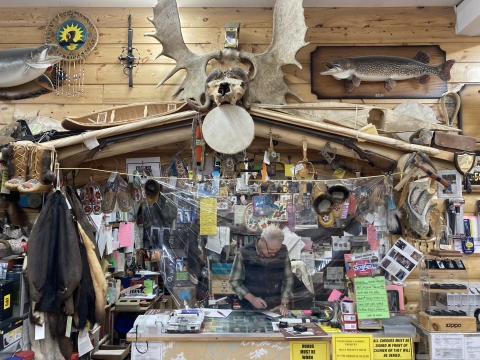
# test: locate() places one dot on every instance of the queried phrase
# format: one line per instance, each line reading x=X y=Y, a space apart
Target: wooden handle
x=435 y=176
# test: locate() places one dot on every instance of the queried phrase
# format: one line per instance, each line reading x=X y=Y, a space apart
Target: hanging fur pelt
x=79 y=214
x=85 y=294
x=98 y=277
x=55 y=269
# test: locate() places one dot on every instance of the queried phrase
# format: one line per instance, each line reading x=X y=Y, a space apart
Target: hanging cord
x=136 y=341
x=449 y=121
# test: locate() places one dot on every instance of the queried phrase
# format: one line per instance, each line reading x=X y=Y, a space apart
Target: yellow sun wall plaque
x=76 y=36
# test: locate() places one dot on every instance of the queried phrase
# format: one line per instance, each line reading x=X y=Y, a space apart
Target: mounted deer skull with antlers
x=262 y=84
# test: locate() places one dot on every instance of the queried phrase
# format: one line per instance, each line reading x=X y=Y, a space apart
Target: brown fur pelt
x=55 y=269
x=98 y=277
x=7 y=156
x=47 y=176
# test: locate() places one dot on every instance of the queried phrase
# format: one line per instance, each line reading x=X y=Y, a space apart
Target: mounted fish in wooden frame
x=394 y=60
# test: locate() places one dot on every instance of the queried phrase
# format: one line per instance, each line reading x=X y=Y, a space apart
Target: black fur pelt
x=86 y=297
x=54 y=268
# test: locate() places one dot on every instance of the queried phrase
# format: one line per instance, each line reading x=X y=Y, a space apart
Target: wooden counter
x=225 y=346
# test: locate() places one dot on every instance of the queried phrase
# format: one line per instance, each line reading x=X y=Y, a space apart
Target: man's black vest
x=265 y=281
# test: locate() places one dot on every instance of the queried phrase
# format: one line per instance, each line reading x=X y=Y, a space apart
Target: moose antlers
x=266 y=77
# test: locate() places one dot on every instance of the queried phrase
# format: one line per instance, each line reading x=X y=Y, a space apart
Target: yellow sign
x=6 y=302
x=392 y=348
x=352 y=346
x=300 y=350
x=208 y=216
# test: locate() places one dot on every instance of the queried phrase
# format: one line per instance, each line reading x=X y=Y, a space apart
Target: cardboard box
x=6 y=293
x=448 y=323
x=102 y=352
x=10 y=331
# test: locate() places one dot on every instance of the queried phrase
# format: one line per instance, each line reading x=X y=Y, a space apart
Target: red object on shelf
x=198 y=144
x=25 y=355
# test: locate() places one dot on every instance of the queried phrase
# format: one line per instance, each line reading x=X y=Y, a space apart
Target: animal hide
x=85 y=305
x=79 y=214
x=51 y=347
x=55 y=269
x=98 y=277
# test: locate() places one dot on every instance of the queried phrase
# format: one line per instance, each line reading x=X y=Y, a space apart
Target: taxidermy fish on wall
x=263 y=83
x=387 y=69
x=22 y=71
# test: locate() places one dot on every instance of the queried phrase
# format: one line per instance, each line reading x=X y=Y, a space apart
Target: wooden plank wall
x=203 y=31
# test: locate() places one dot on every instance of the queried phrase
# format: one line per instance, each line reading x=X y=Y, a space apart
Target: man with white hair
x=262 y=275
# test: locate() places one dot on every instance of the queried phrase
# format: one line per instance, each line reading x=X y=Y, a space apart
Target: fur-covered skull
x=230 y=86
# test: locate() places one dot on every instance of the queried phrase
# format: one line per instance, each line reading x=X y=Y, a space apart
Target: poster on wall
x=401 y=259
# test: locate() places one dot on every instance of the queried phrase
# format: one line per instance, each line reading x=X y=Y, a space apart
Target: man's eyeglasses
x=271 y=253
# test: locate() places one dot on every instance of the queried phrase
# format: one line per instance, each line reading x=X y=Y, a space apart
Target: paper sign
x=352 y=346
x=300 y=350
x=91 y=143
x=398 y=348
x=148 y=286
x=208 y=216
x=447 y=346
x=371 y=297
x=125 y=234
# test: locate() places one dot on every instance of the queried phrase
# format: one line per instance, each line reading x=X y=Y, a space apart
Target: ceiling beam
x=468 y=18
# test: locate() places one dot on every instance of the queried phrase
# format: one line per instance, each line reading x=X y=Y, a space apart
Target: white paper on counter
x=147 y=351
x=472 y=347
x=447 y=346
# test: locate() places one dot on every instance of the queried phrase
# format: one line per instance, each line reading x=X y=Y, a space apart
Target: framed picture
x=455 y=179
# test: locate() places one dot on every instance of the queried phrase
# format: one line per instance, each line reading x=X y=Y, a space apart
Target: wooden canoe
x=356 y=117
x=122 y=115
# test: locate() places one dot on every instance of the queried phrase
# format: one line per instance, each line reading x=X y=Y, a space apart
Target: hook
x=116 y=170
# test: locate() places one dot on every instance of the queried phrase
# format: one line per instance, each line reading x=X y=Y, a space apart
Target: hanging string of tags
x=76 y=36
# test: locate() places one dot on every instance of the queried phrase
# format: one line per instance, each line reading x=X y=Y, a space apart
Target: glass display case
x=444 y=285
x=239 y=322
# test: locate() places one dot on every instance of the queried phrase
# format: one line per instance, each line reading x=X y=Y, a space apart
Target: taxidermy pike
x=387 y=69
x=20 y=66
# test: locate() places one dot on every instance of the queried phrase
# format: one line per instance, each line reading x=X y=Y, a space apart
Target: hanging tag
x=68 y=329
x=112 y=176
x=40 y=332
x=68 y=204
x=4 y=180
x=345 y=207
x=84 y=343
x=339 y=173
x=91 y=143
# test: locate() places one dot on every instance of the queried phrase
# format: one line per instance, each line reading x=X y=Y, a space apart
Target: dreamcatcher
x=76 y=36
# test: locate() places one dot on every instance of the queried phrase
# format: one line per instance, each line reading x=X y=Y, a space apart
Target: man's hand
x=281 y=309
x=257 y=303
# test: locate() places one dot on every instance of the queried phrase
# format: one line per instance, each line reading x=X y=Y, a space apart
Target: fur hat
x=323 y=204
x=339 y=193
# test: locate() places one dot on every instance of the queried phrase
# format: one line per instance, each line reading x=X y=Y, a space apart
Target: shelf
x=442 y=272
x=445 y=290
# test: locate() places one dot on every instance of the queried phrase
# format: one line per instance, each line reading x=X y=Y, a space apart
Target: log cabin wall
x=203 y=31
